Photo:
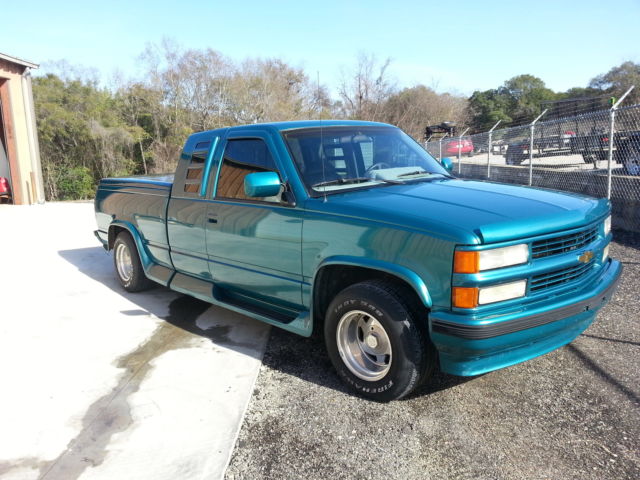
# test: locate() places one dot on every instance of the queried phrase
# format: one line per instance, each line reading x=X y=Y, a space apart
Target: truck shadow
x=307 y=359
x=222 y=327
x=290 y=354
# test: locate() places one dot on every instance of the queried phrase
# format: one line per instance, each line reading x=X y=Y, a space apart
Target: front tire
x=128 y=266
x=375 y=342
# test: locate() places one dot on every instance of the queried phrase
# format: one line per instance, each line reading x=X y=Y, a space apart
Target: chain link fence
x=596 y=154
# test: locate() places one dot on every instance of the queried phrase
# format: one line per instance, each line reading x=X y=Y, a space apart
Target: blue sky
x=452 y=46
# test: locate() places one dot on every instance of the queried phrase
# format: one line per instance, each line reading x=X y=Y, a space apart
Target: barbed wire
x=569 y=153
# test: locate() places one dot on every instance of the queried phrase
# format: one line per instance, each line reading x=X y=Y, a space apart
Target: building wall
x=4 y=161
x=20 y=132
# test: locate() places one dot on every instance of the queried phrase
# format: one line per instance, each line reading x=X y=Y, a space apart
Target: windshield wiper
x=417 y=172
x=432 y=175
x=347 y=181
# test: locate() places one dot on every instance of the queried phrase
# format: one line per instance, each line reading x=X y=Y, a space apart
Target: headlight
x=471 y=297
x=607 y=225
x=498 y=293
x=478 y=261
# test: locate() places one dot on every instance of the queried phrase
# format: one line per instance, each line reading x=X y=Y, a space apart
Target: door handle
x=211 y=218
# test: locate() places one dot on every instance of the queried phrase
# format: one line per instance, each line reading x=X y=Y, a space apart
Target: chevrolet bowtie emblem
x=586 y=256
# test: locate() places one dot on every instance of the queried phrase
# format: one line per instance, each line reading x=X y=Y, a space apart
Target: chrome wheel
x=123 y=262
x=363 y=345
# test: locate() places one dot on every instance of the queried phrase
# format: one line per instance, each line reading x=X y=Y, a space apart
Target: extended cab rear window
x=193 y=178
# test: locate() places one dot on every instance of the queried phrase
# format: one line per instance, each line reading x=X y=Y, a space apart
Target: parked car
x=5 y=190
x=453 y=146
x=353 y=230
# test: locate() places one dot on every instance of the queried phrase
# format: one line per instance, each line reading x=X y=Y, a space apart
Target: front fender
x=404 y=273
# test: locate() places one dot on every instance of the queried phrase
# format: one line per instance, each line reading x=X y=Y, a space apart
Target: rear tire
x=126 y=261
x=376 y=341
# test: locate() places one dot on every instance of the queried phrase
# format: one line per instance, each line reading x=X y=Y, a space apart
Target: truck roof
x=315 y=123
x=290 y=125
x=198 y=139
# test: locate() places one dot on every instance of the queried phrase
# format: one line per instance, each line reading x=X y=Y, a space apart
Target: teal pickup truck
x=353 y=229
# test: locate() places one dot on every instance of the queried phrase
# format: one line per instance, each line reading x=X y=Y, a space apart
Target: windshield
x=334 y=159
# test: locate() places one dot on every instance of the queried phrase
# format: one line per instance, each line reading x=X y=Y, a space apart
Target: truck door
x=253 y=244
x=187 y=211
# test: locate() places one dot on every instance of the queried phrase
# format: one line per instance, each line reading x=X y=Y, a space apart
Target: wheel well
x=332 y=279
x=114 y=231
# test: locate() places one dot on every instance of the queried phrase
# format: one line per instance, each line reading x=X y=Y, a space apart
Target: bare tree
x=195 y=88
x=413 y=108
x=366 y=88
x=138 y=104
x=271 y=90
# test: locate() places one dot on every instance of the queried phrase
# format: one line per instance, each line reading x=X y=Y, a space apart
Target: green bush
x=76 y=184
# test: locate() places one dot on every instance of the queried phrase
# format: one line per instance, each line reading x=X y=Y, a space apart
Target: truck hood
x=469 y=212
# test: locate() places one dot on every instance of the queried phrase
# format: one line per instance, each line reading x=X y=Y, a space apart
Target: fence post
x=612 y=115
x=426 y=143
x=533 y=126
x=489 y=149
x=440 y=147
x=460 y=150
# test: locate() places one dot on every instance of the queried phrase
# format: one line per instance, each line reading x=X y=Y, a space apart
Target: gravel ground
x=570 y=414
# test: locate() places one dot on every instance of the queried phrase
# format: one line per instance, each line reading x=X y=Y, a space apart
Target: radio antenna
x=321 y=149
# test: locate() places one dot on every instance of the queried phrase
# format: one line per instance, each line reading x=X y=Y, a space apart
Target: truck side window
x=242 y=157
x=194 y=173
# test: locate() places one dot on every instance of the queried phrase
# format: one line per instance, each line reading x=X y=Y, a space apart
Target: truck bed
x=139 y=202
x=164 y=180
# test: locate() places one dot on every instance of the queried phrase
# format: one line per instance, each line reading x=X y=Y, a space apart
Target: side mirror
x=262 y=184
x=447 y=163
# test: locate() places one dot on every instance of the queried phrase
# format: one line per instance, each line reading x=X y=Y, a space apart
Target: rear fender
x=145 y=258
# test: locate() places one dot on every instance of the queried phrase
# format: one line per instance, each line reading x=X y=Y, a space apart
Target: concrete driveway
x=99 y=383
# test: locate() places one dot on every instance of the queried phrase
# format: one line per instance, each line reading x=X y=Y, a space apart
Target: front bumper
x=471 y=346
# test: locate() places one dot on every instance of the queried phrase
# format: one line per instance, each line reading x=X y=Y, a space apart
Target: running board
x=296 y=322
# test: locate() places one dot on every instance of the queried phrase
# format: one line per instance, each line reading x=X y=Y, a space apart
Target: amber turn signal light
x=466 y=262
x=465 y=297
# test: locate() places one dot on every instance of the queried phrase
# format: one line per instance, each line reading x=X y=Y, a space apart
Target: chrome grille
x=559 y=277
x=563 y=243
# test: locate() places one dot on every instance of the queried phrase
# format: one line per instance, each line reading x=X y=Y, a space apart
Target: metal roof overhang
x=18 y=61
